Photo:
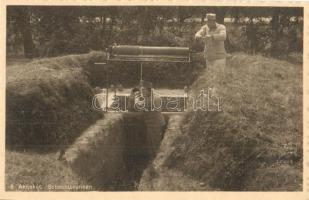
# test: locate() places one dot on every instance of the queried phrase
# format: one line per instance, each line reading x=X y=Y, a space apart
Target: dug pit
x=109 y=150
x=112 y=153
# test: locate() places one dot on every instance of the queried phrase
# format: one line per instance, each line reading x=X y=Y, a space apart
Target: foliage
x=51 y=31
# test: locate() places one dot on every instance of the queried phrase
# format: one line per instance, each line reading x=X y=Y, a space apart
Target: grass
x=254 y=144
x=48 y=100
x=26 y=169
x=257 y=136
x=47 y=107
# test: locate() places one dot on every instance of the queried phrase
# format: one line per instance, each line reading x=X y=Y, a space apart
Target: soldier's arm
x=221 y=36
x=201 y=32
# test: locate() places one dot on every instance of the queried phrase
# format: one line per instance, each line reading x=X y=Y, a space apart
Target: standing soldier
x=214 y=35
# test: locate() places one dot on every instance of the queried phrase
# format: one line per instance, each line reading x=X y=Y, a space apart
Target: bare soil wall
x=97 y=154
x=113 y=152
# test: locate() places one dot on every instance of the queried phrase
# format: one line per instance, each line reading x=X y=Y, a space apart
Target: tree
x=58 y=30
x=21 y=19
x=220 y=14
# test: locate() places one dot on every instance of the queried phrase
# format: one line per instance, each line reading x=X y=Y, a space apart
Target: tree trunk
x=110 y=38
x=104 y=22
x=202 y=16
x=179 y=17
x=23 y=22
x=275 y=20
x=220 y=14
x=236 y=19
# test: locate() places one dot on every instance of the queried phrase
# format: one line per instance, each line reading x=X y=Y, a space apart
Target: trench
x=109 y=153
x=114 y=152
x=136 y=153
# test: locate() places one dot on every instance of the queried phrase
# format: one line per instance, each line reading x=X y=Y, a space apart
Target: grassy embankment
x=255 y=143
x=48 y=104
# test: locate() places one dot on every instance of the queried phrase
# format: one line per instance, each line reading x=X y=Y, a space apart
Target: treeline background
x=45 y=31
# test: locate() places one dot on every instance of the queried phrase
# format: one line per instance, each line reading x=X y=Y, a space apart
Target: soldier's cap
x=210 y=16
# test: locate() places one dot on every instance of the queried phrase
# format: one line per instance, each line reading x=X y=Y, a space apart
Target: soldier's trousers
x=217 y=68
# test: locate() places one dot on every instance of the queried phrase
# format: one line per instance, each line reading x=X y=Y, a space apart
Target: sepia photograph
x=153 y=98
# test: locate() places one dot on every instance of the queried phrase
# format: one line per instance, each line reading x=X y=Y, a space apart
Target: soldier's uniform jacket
x=214 y=46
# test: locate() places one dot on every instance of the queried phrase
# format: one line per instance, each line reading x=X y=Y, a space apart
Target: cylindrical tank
x=149 y=50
